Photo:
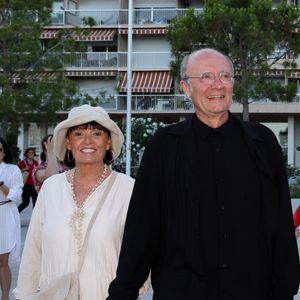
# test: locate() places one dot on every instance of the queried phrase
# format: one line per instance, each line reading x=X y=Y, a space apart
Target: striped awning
x=144 y=31
x=32 y=76
x=147 y=82
x=17 y=78
x=82 y=34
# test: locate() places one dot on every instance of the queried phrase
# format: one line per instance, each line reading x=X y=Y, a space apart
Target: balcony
x=147 y=103
x=180 y=104
x=116 y=17
x=118 y=60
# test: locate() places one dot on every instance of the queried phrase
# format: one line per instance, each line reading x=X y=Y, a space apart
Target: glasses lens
x=225 y=77
x=208 y=77
x=1 y=150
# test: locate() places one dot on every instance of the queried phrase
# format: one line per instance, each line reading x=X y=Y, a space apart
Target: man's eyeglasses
x=209 y=77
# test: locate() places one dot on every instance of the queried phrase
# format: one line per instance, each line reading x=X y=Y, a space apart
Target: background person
x=28 y=164
x=11 y=183
x=66 y=203
x=49 y=164
x=210 y=213
x=296 y=217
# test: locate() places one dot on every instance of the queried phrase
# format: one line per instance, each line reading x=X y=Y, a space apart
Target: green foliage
x=274 y=91
x=141 y=130
x=89 y=21
x=247 y=31
x=32 y=85
x=186 y=34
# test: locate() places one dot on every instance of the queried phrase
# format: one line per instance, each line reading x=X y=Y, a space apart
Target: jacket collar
x=252 y=138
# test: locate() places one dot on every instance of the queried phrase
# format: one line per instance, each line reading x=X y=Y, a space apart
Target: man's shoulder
x=175 y=129
x=255 y=130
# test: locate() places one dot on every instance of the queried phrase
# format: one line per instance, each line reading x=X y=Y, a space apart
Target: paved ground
x=25 y=218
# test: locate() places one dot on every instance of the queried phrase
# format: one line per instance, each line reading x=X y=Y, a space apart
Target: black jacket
x=161 y=235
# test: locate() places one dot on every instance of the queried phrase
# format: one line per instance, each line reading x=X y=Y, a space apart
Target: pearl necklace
x=78 y=212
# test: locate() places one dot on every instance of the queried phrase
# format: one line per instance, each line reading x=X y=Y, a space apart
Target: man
x=210 y=214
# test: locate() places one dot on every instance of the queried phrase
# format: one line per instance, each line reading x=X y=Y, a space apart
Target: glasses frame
x=219 y=76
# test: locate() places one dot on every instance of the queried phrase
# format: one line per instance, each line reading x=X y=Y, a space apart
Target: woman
x=11 y=183
x=49 y=165
x=28 y=164
x=55 y=234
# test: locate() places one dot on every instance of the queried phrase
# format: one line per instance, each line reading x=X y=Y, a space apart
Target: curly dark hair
x=29 y=149
x=8 y=157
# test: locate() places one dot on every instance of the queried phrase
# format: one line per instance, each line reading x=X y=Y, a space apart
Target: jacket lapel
x=255 y=143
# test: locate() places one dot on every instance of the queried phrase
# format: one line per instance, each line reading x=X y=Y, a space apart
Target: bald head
x=201 y=54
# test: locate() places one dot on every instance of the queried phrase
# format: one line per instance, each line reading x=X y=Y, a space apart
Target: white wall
x=150 y=44
x=96 y=4
x=146 y=3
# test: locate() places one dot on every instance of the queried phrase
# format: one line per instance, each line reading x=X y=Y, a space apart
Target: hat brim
x=60 y=132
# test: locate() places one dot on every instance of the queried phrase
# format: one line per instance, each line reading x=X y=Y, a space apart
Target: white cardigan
x=50 y=249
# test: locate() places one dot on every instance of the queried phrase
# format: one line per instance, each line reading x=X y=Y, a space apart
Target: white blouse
x=10 y=228
x=50 y=250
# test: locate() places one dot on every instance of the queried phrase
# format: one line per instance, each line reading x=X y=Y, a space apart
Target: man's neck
x=213 y=121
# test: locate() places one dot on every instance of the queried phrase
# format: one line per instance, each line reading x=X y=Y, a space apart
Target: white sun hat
x=81 y=115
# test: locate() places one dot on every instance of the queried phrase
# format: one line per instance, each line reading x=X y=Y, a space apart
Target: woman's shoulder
x=56 y=179
x=123 y=178
x=10 y=167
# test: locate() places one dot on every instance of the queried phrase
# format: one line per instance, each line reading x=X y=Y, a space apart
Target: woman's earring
x=109 y=157
x=68 y=156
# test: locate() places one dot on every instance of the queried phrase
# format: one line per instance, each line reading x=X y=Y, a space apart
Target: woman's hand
x=49 y=144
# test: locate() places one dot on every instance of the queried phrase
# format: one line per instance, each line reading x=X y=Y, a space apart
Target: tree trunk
x=246 y=111
x=3 y=129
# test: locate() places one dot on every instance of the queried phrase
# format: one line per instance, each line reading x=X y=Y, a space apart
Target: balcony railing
x=178 y=103
x=147 y=103
x=109 y=17
x=118 y=60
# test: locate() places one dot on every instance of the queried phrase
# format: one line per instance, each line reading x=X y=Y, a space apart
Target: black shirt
x=228 y=205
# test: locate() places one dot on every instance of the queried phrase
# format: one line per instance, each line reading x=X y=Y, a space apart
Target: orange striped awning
x=144 y=31
x=147 y=82
x=83 y=34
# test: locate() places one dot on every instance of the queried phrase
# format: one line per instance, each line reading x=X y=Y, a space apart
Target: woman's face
x=88 y=144
x=30 y=154
x=2 y=154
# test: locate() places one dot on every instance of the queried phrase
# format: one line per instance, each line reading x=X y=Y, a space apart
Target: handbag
x=67 y=287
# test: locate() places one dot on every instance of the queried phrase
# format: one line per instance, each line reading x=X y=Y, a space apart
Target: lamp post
x=129 y=76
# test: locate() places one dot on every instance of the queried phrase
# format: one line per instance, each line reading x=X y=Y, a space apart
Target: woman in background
x=11 y=183
x=49 y=164
x=28 y=164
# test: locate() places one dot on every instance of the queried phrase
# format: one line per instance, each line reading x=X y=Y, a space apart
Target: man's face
x=214 y=99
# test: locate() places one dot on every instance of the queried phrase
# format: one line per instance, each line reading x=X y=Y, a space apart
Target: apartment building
x=102 y=67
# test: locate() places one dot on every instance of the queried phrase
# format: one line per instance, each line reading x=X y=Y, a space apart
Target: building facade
x=101 y=69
